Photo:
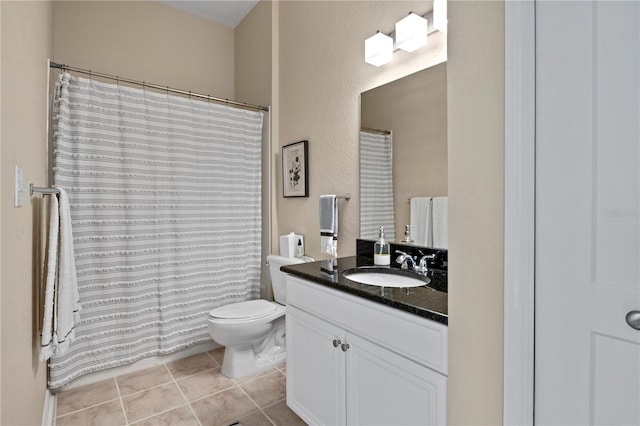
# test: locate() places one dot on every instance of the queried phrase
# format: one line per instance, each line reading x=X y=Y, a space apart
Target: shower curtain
x=165 y=197
x=376 y=185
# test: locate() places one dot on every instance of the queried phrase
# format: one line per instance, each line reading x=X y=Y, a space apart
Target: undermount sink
x=385 y=277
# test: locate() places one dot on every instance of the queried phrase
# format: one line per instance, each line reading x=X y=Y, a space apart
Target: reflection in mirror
x=376 y=183
x=403 y=158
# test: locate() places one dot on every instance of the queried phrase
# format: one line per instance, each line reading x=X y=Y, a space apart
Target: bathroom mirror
x=403 y=149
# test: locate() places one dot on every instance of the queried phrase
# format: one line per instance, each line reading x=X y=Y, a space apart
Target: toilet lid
x=247 y=309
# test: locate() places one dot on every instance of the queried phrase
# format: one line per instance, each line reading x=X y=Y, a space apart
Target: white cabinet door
x=587 y=360
x=315 y=369
x=384 y=388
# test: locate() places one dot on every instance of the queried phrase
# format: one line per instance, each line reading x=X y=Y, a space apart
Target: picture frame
x=295 y=169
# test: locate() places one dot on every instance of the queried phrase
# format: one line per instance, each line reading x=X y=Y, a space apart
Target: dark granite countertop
x=429 y=301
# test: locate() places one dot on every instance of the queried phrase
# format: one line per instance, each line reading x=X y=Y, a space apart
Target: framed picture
x=295 y=169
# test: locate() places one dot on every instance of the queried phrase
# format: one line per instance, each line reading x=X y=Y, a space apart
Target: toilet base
x=251 y=358
x=243 y=361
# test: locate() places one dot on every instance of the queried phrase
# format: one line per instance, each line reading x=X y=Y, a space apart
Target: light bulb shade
x=440 y=15
x=378 y=49
x=411 y=33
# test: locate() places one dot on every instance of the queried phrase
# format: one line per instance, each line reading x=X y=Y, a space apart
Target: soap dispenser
x=381 y=251
x=407 y=234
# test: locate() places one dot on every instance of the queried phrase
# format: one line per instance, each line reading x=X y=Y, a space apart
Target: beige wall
x=146 y=41
x=26 y=44
x=322 y=73
x=414 y=108
x=476 y=213
x=253 y=56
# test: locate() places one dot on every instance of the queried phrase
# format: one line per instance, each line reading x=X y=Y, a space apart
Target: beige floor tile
x=218 y=354
x=85 y=396
x=191 y=365
x=256 y=419
x=143 y=404
x=223 y=407
x=182 y=416
x=143 y=379
x=267 y=390
x=255 y=376
x=109 y=413
x=282 y=415
x=205 y=383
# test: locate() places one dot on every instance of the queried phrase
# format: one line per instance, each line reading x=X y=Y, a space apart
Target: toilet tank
x=279 y=278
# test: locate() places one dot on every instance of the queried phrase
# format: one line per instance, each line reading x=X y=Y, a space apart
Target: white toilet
x=253 y=331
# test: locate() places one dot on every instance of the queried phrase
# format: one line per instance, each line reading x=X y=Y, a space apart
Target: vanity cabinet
x=351 y=361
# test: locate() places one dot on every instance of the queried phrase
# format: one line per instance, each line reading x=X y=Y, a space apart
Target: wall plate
x=18 y=187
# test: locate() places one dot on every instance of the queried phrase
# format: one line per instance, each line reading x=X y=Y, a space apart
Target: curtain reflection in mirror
x=376 y=184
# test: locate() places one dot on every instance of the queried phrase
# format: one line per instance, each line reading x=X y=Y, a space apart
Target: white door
x=587 y=360
x=384 y=388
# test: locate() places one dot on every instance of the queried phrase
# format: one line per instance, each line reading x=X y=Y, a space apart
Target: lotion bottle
x=381 y=251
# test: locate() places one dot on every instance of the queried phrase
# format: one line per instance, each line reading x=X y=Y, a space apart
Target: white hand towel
x=46 y=338
x=62 y=301
x=68 y=298
x=420 y=219
x=329 y=245
x=440 y=220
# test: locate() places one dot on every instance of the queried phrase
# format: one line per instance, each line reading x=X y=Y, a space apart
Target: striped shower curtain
x=166 y=216
x=376 y=185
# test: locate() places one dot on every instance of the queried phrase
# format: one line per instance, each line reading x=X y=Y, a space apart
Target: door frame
x=519 y=213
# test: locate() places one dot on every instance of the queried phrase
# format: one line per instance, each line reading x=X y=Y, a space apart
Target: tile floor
x=190 y=391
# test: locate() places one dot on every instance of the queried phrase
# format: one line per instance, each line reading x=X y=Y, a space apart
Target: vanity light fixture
x=411 y=33
x=378 y=49
x=440 y=15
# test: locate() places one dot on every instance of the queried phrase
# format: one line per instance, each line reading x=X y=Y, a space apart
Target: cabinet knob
x=633 y=319
x=344 y=347
x=336 y=343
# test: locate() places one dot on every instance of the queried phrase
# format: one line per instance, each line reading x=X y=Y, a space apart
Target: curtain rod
x=156 y=86
x=371 y=130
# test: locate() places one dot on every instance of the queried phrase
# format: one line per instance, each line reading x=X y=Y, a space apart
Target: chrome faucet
x=422 y=267
x=405 y=260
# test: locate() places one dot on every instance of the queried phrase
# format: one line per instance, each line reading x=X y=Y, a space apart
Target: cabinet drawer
x=409 y=335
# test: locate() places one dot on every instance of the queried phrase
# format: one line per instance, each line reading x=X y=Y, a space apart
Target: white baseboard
x=49 y=410
x=140 y=365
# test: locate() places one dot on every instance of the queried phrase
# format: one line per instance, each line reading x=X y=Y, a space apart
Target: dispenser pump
x=381 y=250
x=407 y=234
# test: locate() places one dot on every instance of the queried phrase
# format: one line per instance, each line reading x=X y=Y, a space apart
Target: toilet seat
x=245 y=311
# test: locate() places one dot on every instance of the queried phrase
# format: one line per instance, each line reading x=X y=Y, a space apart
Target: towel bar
x=43 y=191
